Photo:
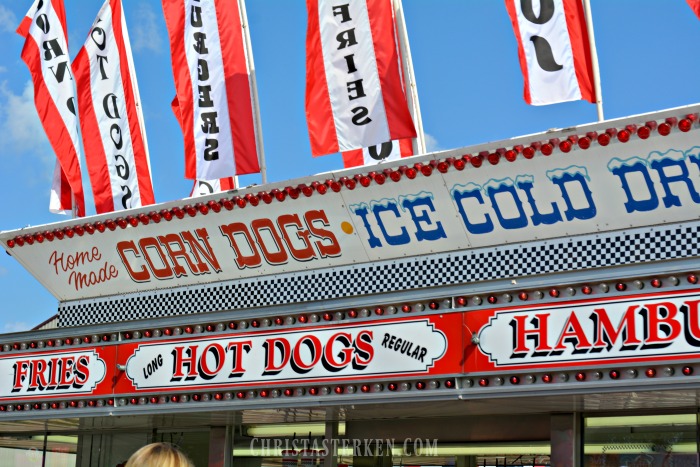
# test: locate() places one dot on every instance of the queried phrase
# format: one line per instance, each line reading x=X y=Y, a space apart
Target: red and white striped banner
x=203 y=187
x=354 y=92
x=213 y=85
x=385 y=152
x=46 y=54
x=207 y=187
x=114 y=137
x=61 y=199
x=554 y=50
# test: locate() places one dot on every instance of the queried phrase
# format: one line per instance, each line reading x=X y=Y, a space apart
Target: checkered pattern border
x=467 y=266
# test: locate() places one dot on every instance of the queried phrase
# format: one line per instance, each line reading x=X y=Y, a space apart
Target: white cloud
x=8 y=21
x=17 y=326
x=431 y=144
x=144 y=30
x=20 y=128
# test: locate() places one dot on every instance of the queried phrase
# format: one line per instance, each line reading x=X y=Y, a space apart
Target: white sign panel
x=637 y=328
x=405 y=347
x=616 y=186
x=41 y=375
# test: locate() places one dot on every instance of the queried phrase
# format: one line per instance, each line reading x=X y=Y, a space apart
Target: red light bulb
x=494 y=158
x=584 y=142
x=528 y=152
x=459 y=164
x=685 y=125
x=547 y=149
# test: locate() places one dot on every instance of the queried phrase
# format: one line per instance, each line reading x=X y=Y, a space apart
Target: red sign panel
x=57 y=374
x=642 y=328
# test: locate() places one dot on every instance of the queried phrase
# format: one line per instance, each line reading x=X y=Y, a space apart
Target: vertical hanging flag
x=114 y=137
x=391 y=150
x=61 y=197
x=354 y=93
x=207 y=187
x=203 y=187
x=46 y=54
x=213 y=85
x=554 y=50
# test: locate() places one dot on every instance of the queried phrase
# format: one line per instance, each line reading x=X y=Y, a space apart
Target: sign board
x=390 y=348
x=639 y=183
x=580 y=333
x=57 y=374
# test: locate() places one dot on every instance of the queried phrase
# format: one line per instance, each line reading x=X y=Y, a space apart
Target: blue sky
x=467 y=71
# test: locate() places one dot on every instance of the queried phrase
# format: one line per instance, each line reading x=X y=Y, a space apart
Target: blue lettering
x=399 y=239
x=483 y=227
x=537 y=217
x=421 y=234
x=572 y=213
x=632 y=204
x=670 y=199
x=695 y=159
x=516 y=222
x=373 y=241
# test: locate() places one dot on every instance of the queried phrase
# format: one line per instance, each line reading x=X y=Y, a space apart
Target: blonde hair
x=159 y=455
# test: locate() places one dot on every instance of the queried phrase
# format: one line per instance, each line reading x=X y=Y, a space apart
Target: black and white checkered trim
x=467 y=266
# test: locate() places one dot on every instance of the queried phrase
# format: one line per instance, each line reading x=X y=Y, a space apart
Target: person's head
x=159 y=455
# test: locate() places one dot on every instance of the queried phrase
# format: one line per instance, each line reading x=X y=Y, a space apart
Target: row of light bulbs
x=546 y=148
x=230 y=396
x=360 y=313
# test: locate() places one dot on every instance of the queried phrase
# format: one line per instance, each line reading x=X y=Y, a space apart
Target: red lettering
x=66 y=377
x=313 y=344
x=253 y=259
x=21 y=368
x=281 y=344
x=82 y=371
x=180 y=361
x=197 y=249
x=336 y=362
x=216 y=351
x=164 y=272
x=305 y=253
x=238 y=347
x=520 y=334
x=574 y=333
x=607 y=335
x=364 y=352
x=662 y=326
x=273 y=257
x=38 y=378
x=325 y=250
x=137 y=276
x=176 y=249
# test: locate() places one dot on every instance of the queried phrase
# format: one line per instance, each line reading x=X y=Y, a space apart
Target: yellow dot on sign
x=347 y=227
